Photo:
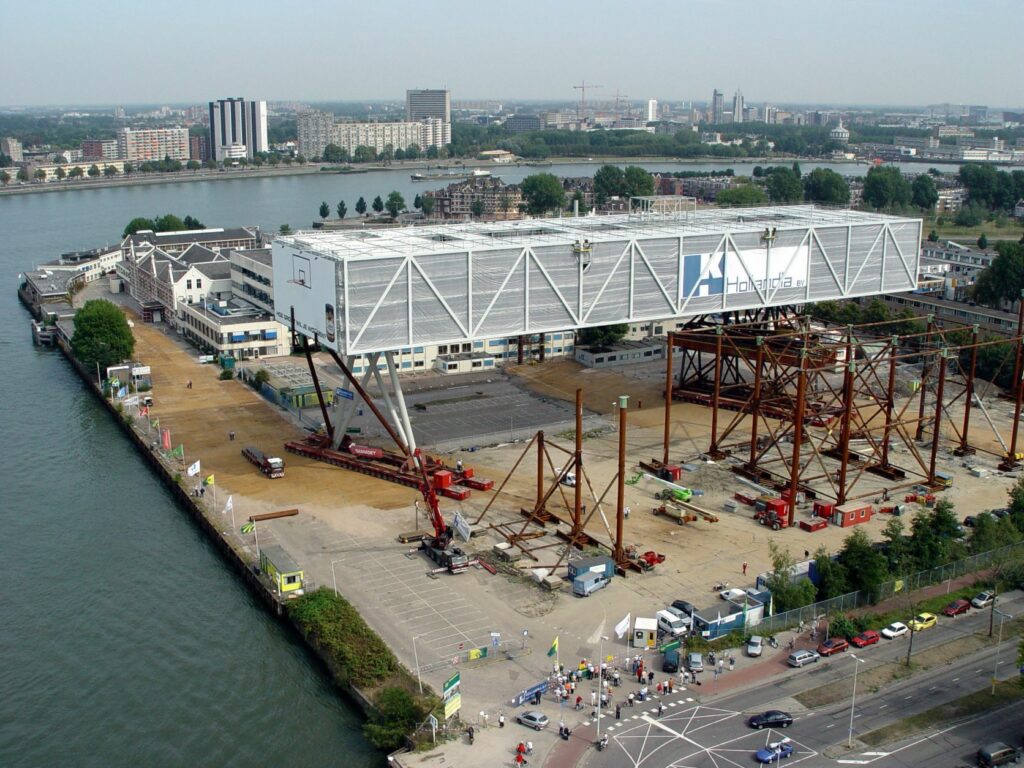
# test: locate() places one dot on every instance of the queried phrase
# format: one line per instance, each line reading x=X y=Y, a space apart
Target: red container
x=456 y=492
x=467 y=471
x=813 y=525
x=479 y=484
x=824 y=509
x=778 y=506
x=442 y=479
x=672 y=472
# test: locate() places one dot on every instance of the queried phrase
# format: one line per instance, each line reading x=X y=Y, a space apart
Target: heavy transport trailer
x=271 y=466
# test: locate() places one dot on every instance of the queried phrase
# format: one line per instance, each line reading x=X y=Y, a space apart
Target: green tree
x=395 y=204
x=427 y=204
x=542 y=192
x=60 y=173
x=109 y=171
x=603 y=336
x=360 y=206
x=285 y=229
x=742 y=194
x=865 y=566
x=102 y=335
x=476 y=208
x=1003 y=279
x=823 y=185
x=76 y=172
x=23 y=174
x=639 y=183
x=991 y=532
x=191 y=222
x=970 y=215
x=209 y=164
x=5 y=178
x=609 y=181
x=300 y=159
x=39 y=175
x=897 y=552
x=784 y=186
x=325 y=210
x=364 y=154
x=417 y=202
x=831 y=575
x=412 y=152
x=396 y=713
x=137 y=224
x=885 y=186
x=923 y=193
x=378 y=204
x=335 y=154
x=787 y=593
x=933 y=236
x=1017 y=504
x=169 y=223
x=983 y=242
x=94 y=170
x=796 y=169
x=840 y=625
x=193 y=165
x=342 y=209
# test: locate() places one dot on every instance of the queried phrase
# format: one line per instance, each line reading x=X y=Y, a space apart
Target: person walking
x=661 y=708
x=650 y=677
x=669 y=684
x=744 y=567
x=618 y=711
x=501 y=720
x=630 y=698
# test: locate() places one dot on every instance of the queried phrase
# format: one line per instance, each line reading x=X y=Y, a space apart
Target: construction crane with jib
x=440 y=547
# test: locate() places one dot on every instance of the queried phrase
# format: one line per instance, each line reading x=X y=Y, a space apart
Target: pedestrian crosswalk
x=652 y=711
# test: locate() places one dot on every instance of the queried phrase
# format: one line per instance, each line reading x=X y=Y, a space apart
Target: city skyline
x=789 y=52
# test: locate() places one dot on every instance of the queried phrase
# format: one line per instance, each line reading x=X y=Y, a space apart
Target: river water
x=127 y=640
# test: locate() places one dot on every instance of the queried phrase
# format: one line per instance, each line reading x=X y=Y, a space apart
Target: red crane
x=439 y=548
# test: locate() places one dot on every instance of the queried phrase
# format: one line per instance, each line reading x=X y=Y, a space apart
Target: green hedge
x=355 y=653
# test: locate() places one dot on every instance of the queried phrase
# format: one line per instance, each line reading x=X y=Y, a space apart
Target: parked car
x=684 y=606
x=732 y=594
x=1000 y=513
x=923 y=621
x=755 y=645
x=775 y=751
x=773 y=718
x=984 y=600
x=533 y=719
x=970 y=521
x=833 y=645
x=800 y=658
x=956 y=608
x=997 y=753
x=865 y=638
x=670 y=663
x=695 y=661
x=894 y=630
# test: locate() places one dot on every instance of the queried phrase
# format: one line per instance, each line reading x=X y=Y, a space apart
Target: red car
x=956 y=608
x=833 y=645
x=865 y=638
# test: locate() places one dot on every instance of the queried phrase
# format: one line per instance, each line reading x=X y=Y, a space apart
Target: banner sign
x=451 y=683
x=752 y=269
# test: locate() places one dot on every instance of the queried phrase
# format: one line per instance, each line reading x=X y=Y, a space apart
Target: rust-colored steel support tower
x=668 y=396
x=618 y=552
x=798 y=424
x=925 y=372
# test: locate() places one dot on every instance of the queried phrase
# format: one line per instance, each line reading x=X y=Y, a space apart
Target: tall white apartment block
x=238 y=128
x=652 y=110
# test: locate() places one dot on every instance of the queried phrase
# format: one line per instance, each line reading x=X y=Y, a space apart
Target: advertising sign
x=306 y=283
x=753 y=269
x=452 y=705
x=450 y=684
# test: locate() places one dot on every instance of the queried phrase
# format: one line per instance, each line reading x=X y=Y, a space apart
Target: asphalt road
x=710 y=732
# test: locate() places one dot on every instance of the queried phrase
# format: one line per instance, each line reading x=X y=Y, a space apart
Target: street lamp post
x=334 y=576
x=995 y=669
x=853 y=699
x=416 y=658
x=600 y=684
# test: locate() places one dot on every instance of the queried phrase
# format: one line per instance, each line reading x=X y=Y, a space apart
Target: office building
x=144 y=144
x=199 y=148
x=238 y=128
x=717 y=107
x=737 y=106
x=652 y=110
x=12 y=148
x=524 y=123
x=422 y=104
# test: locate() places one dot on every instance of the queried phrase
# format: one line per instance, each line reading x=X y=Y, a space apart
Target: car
x=997 y=753
x=533 y=719
x=732 y=594
x=984 y=600
x=865 y=638
x=695 y=661
x=670 y=663
x=970 y=521
x=1000 y=513
x=833 y=645
x=773 y=718
x=923 y=621
x=894 y=630
x=755 y=645
x=956 y=608
x=800 y=658
x=684 y=606
x=775 y=751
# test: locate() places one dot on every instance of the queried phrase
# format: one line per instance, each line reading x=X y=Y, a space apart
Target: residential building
x=652 y=110
x=252 y=276
x=53 y=170
x=137 y=145
x=238 y=128
x=199 y=148
x=99 y=149
x=499 y=200
x=233 y=327
x=717 y=107
x=12 y=148
x=524 y=123
x=737 y=106
x=314 y=131
x=318 y=129
x=423 y=104
x=840 y=133
x=215 y=239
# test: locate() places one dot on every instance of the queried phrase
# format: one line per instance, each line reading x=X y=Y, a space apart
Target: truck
x=673 y=512
x=271 y=466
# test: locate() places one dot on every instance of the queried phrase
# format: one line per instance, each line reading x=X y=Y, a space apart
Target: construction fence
x=808 y=614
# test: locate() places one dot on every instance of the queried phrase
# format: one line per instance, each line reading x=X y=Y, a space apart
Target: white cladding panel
x=430 y=285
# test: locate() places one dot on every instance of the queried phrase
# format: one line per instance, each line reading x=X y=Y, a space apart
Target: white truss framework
x=366 y=291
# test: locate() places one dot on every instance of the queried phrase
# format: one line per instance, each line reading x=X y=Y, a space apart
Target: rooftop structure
x=363 y=291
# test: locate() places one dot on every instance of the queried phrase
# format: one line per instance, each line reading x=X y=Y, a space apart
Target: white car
x=896 y=629
x=755 y=646
x=732 y=594
x=983 y=600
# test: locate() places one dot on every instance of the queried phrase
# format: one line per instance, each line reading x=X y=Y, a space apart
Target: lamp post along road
x=416 y=658
x=853 y=698
x=600 y=684
x=995 y=668
x=334 y=576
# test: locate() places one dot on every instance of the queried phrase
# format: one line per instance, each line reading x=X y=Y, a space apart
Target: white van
x=671 y=623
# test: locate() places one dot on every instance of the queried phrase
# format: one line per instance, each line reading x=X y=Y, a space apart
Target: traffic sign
x=343 y=393
x=495 y=639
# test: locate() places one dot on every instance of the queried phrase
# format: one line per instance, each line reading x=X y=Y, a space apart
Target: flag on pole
x=144 y=410
x=122 y=392
x=208 y=480
x=248 y=527
x=229 y=506
x=193 y=470
x=155 y=424
x=622 y=627
x=179 y=452
x=553 y=650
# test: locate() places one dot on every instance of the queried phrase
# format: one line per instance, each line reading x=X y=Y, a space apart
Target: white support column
x=350 y=409
x=396 y=385
x=388 y=402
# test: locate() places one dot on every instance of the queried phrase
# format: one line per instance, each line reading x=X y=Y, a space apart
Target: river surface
x=126 y=639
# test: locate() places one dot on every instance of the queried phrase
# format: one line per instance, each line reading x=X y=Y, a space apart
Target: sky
x=872 y=52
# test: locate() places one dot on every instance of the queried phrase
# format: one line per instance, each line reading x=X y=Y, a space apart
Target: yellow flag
x=208 y=481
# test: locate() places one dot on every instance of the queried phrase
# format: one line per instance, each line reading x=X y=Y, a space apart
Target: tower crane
x=582 y=88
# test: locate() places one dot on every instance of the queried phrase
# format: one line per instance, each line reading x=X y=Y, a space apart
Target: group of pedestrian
x=522 y=750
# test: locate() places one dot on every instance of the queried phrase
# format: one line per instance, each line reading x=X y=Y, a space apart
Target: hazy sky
x=864 y=52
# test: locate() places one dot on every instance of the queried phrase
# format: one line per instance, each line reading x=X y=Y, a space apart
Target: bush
x=354 y=652
x=397 y=714
x=840 y=625
x=227 y=374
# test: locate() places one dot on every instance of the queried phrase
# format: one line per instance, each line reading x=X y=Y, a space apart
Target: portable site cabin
x=645 y=633
x=284 y=573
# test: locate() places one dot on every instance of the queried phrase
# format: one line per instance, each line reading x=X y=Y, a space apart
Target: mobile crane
x=439 y=547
